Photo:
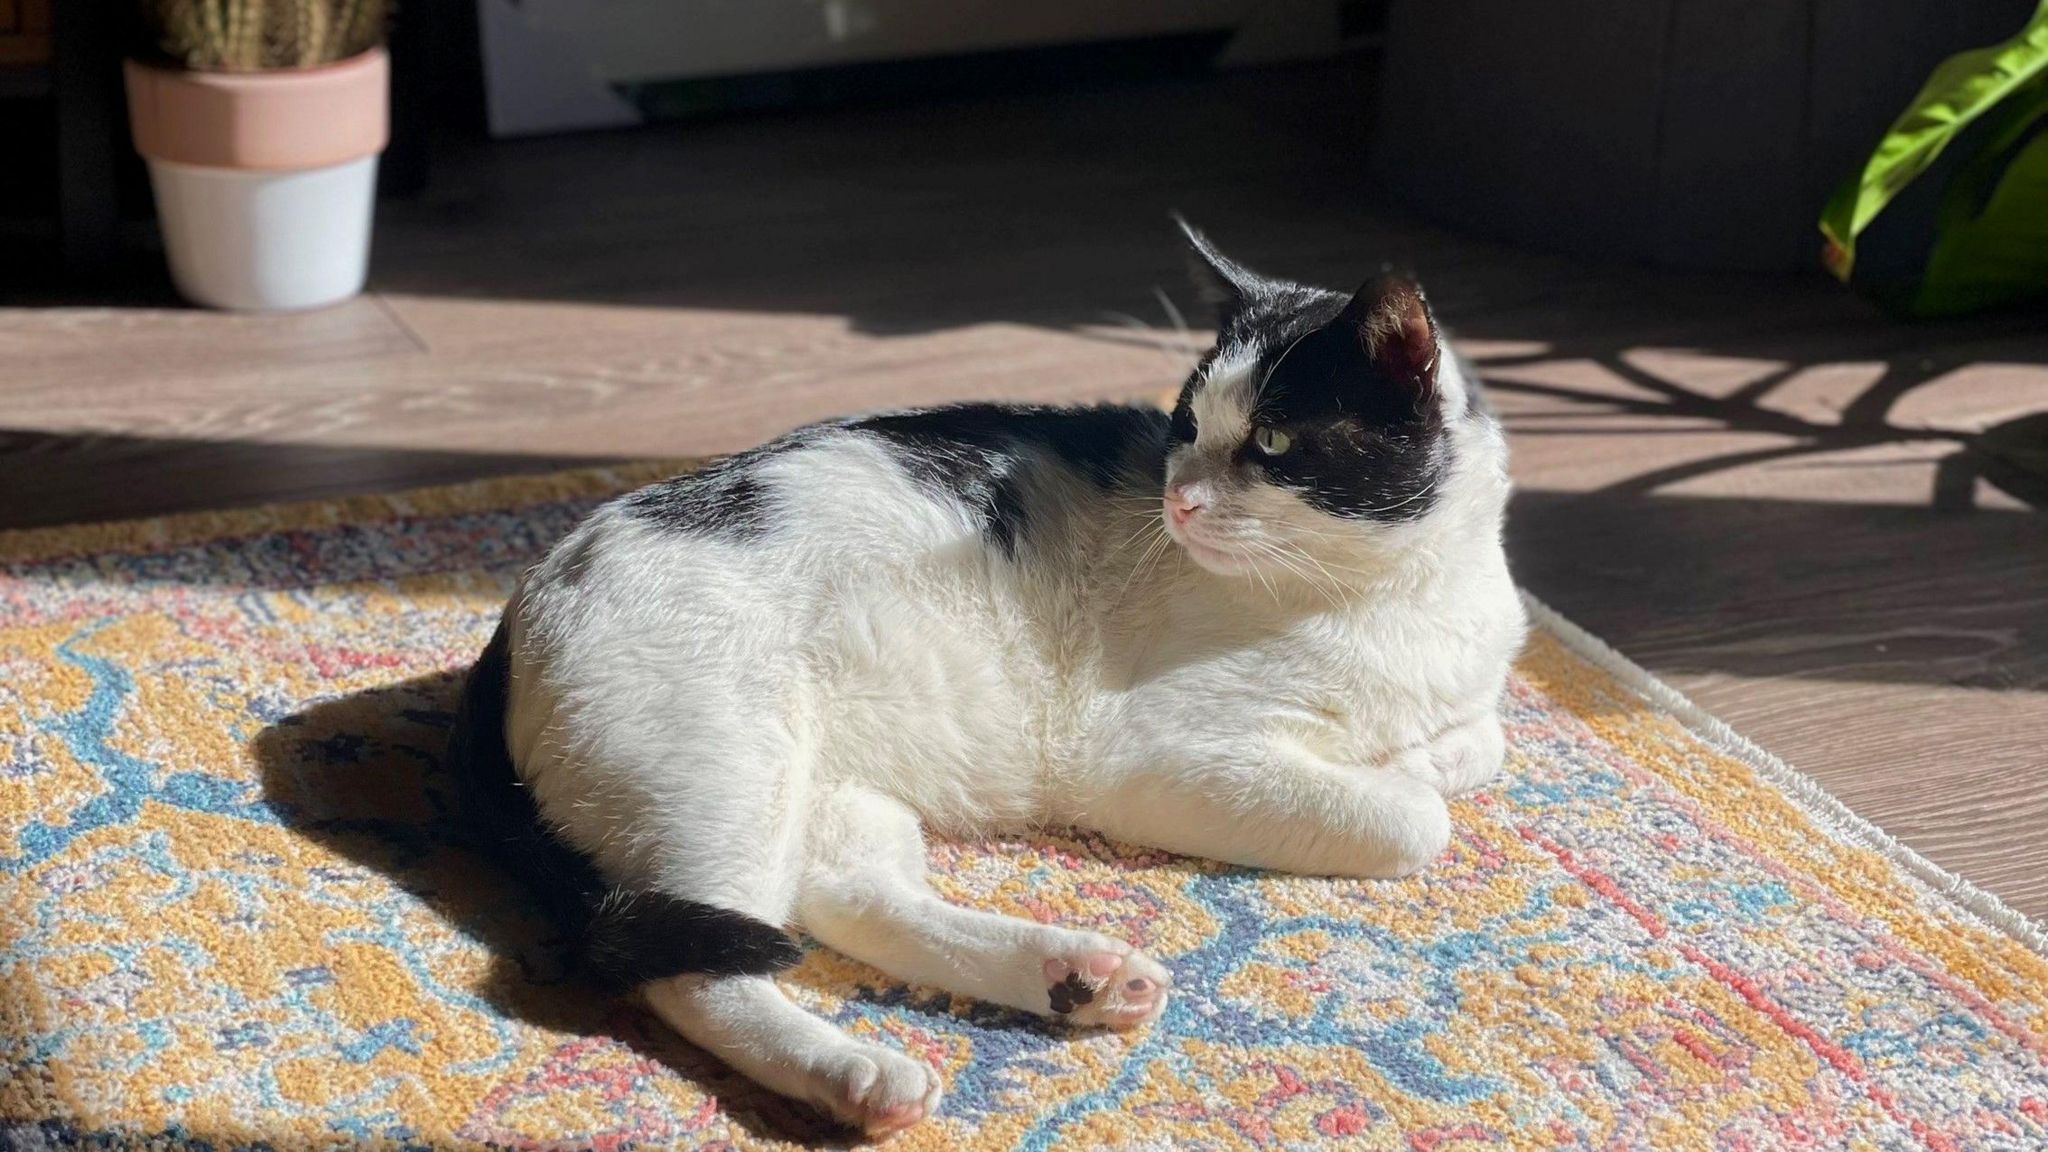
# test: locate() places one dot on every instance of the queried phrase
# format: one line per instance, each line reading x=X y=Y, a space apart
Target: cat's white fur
x=764 y=725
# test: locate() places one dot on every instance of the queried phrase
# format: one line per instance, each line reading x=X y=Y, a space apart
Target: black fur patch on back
x=625 y=937
x=725 y=498
x=980 y=454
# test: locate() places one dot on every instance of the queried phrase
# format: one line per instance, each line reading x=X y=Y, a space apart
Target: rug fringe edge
x=1822 y=806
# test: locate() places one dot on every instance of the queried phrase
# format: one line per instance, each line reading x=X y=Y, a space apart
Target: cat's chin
x=1215 y=560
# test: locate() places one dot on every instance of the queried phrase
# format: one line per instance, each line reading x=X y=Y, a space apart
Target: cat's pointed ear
x=1225 y=284
x=1399 y=336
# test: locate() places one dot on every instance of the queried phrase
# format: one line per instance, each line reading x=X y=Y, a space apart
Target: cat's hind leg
x=864 y=893
x=747 y=1022
x=716 y=856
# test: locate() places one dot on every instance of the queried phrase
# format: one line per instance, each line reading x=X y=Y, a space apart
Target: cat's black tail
x=626 y=937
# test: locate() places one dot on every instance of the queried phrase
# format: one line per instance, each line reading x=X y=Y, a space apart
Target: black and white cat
x=1273 y=629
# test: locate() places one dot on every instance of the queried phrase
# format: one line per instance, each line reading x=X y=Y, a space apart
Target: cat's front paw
x=1416 y=832
x=878 y=1090
x=1467 y=758
x=1116 y=989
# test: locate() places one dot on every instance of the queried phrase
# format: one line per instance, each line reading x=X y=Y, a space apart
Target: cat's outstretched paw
x=880 y=1091
x=1115 y=989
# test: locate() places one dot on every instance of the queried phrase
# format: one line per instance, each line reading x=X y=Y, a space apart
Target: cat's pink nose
x=1181 y=504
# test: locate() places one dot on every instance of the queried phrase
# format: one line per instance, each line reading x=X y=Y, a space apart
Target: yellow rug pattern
x=237 y=912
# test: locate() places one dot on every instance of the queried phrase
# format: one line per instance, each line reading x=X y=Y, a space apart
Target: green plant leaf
x=1961 y=89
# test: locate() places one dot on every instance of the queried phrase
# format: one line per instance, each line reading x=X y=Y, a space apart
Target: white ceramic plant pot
x=260 y=241
x=265 y=182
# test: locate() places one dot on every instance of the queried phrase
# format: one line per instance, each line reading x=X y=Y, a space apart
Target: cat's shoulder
x=992 y=460
x=1100 y=441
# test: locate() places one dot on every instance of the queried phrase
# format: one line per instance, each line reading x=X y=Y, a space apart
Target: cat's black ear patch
x=1392 y=323
x=1225 y=284
x=1357 y=396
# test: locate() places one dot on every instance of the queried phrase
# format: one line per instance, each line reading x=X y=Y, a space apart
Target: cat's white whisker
x=1180 y=323
x=1152 y=337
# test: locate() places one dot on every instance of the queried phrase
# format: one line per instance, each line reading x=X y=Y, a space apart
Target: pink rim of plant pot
x=281 y=120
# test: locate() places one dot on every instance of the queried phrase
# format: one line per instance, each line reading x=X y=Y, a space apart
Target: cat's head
x=1322 y=428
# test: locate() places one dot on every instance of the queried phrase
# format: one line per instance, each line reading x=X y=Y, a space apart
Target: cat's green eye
x=1272 y=441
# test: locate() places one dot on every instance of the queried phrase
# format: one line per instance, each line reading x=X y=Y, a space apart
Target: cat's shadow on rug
x=360 y=775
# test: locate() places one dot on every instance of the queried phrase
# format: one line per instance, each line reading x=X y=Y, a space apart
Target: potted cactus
x=261 y=122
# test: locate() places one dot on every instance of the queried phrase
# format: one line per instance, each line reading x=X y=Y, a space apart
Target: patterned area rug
x=236 y=912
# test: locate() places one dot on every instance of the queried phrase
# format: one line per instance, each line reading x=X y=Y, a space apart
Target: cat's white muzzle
x=1216 y=558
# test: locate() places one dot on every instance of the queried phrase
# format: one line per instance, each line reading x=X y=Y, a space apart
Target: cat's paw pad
x=1119 y=990
x=881 y=1092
